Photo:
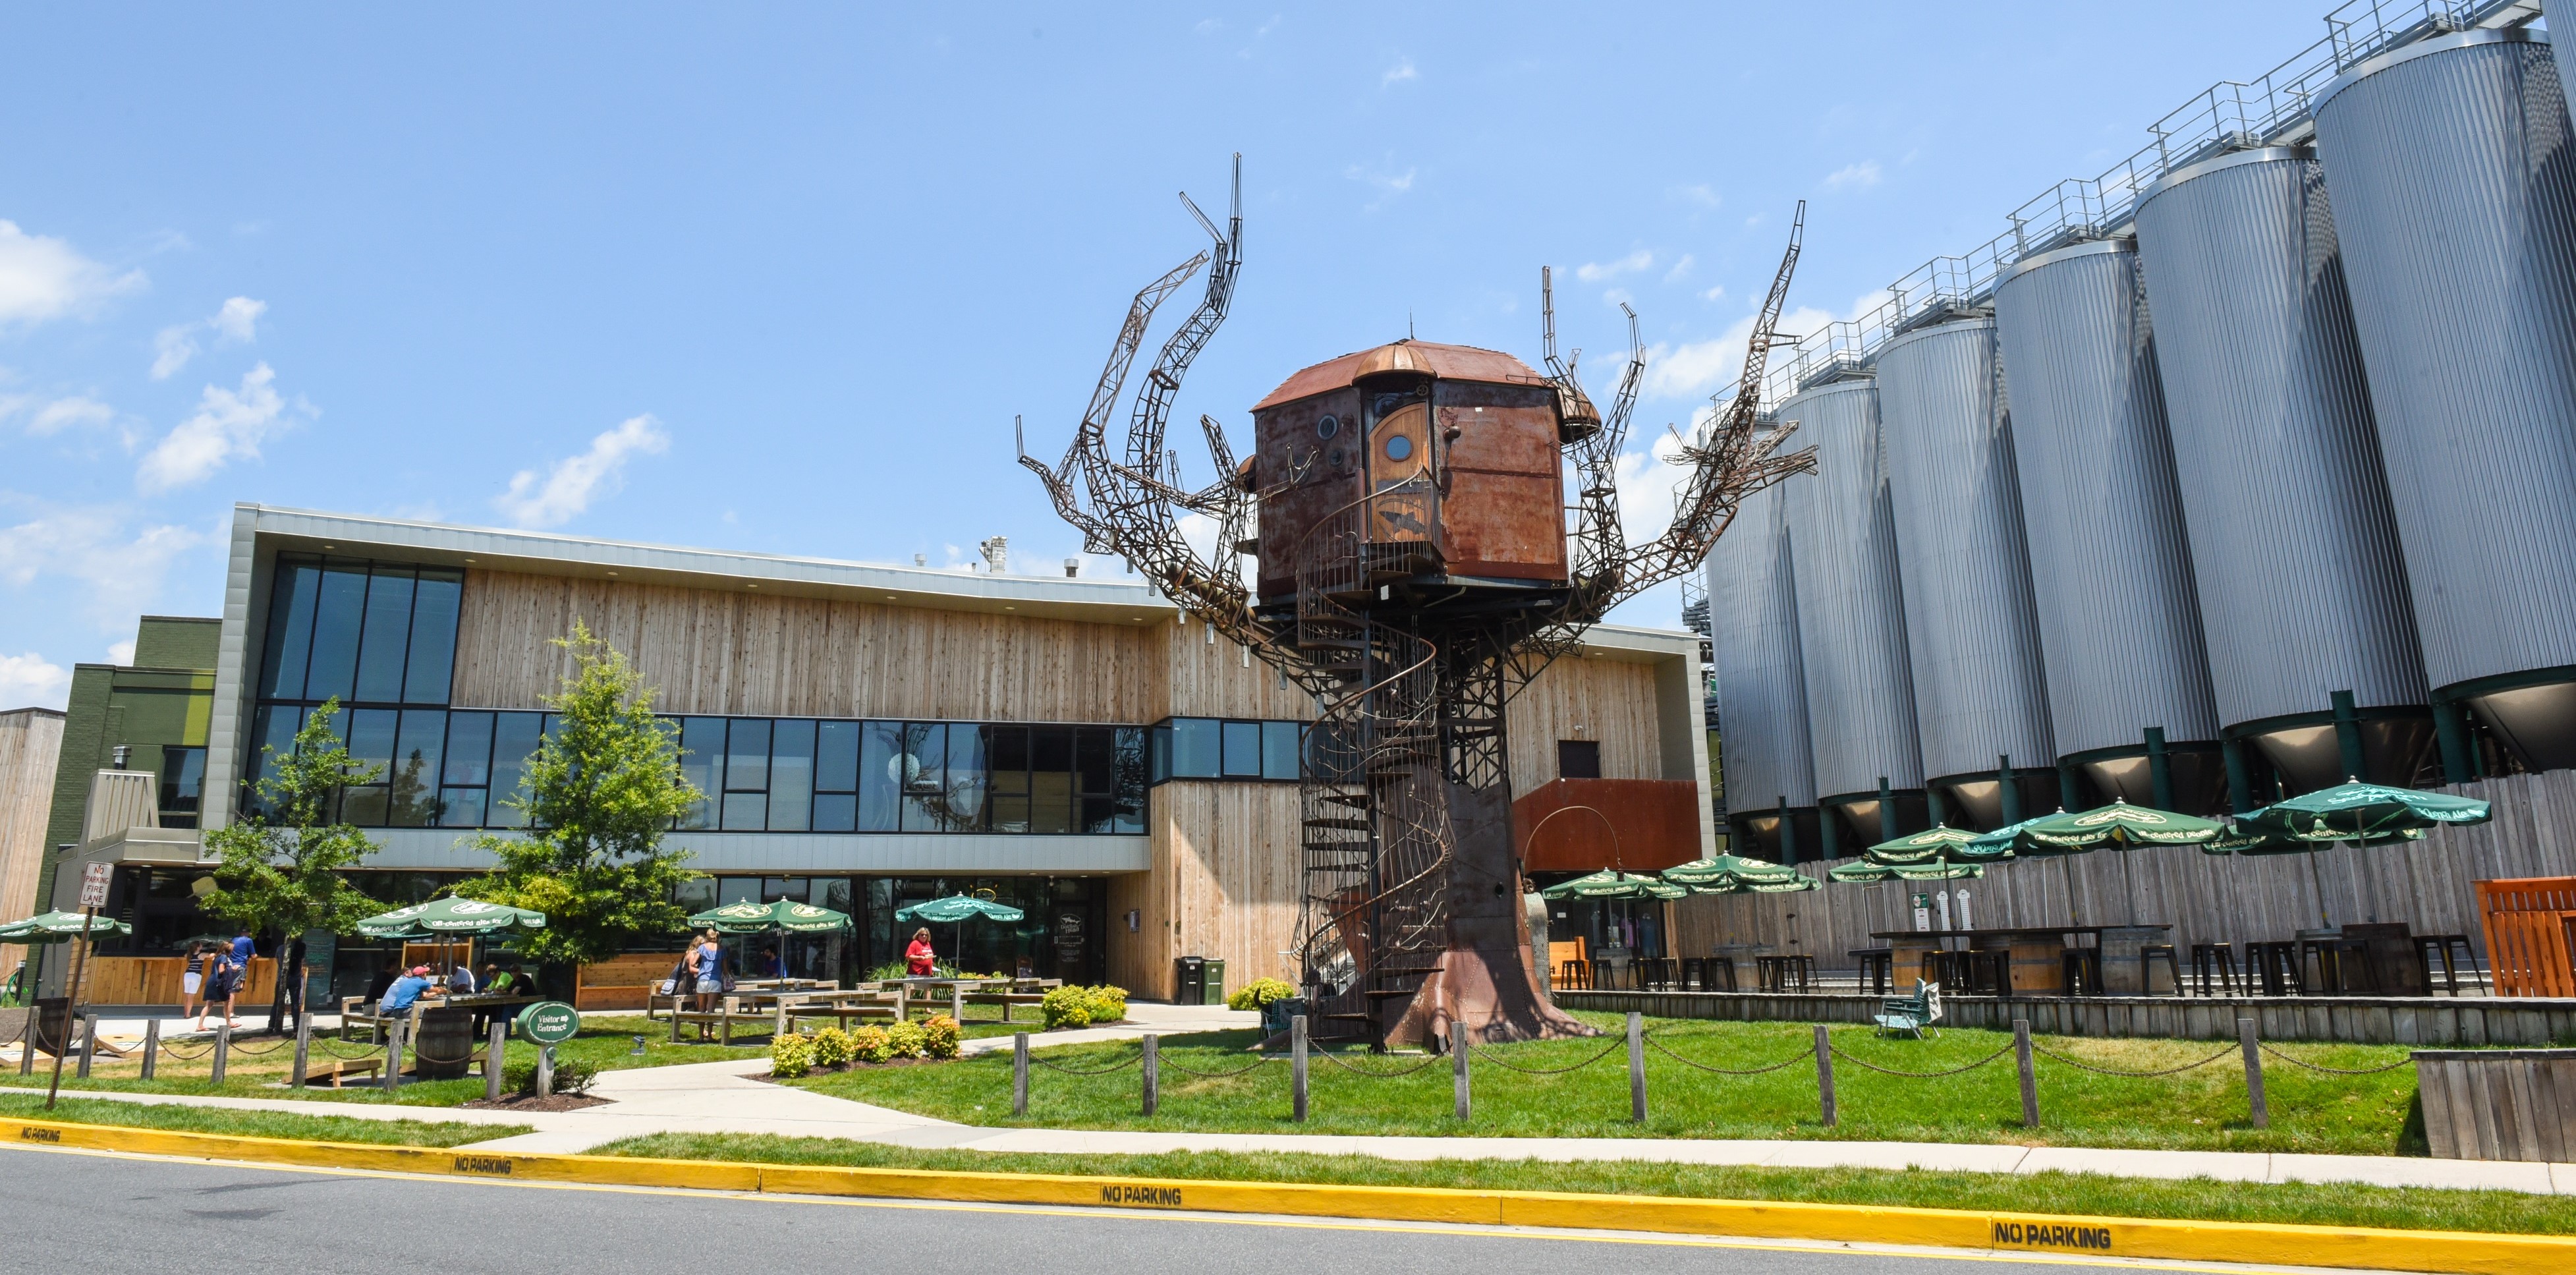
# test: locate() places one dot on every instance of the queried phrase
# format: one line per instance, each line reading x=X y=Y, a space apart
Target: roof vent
x=1072 y=567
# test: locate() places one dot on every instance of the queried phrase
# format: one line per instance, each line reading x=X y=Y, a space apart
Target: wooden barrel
x=445 y=1046
x=2038 y=965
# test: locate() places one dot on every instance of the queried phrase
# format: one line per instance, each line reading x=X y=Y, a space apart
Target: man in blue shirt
x=242 y=946
x=405 y=992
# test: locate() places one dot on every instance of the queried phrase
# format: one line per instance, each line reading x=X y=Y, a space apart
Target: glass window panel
x=290 y=628
x=836 y=757
x=432 y=661
x=414 y=800
x=791 y=775
x=460 y=807
x=1197 y=743
x=183 y=773
x=1130 y=790
x=966 y=780
x=747 y=755
x=702 y=744
x=1160 y=767
x=1010 y=812
x=925 y=776
x=1242 y=750
x=1094 y=757
x=1006 y=757
x=1279 y=750
x=514 y=741
x=785 y=890
x=469 y=749
x=388 y=635
x=836 y=812
x=1098 y=814
x=733 y=890
x=337 y=611
x=364 y=807
x=1051 y=801
x=880 y=776
x=371 y=742
x=746 y=811
x=272 y=735
x=696 y=894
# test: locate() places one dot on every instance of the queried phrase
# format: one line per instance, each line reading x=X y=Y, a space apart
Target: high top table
x=2038 y=953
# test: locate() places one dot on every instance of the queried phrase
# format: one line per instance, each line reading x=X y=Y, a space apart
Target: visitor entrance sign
x=549 y=1022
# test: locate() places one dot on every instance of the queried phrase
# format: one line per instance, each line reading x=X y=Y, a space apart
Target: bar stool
x=1990 y=971
x=1878 y=966
x=2428 y=946
x=2276 y=967
x=1717 y=970
x=2147 y=958
x=2214 y=960
x=2081 y=967
x=1575 y=975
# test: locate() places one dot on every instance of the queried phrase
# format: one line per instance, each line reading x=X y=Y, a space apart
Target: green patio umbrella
x=1610 y=883
x=450 y=918
x=959 y=907
x=2355 y=813
x=1864 y=872
x=1937 y=843
x=1735 y=874
x=2118 y=826
x=59 y=927
x=785 y=916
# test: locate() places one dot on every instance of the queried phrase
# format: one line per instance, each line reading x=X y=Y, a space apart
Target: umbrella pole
x=2074 y=914
x=2129 y=869
x=2325 y=919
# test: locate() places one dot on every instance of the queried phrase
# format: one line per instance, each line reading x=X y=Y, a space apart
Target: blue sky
x=779 y=279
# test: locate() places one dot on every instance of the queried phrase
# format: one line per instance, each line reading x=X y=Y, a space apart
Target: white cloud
x=43 y=278
x=121 y=653
x=1398 y=74
x=236 y=322
x=1695 y=368
x=227 y=424
x=1681 y=268
x=1860 y=176
x=1596 y=271
x=1717 y=293
x=32 y=681
x=571 y=484
x=52 y=416
x=1389 y=184
x=1702 y=195
x=119 y=569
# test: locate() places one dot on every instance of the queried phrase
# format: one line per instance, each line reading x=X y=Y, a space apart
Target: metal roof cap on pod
x=2090 y=247
x=1911 y=335
x=2425 y=48
x=2233 y=159
x=1427 y=358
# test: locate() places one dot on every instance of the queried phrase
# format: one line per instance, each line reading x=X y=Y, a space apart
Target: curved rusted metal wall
x=2110 y=567
x=2294 y=545
x=2449 y=166
x=1972 y=632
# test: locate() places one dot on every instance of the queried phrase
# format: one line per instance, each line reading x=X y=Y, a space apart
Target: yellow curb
x=2468 y=1252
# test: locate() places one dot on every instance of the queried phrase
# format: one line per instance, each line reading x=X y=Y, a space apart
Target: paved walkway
x=724 y=1097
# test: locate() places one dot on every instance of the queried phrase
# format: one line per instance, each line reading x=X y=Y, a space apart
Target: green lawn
x=606 y=1042
x=2198 y=1198
x=2202 y=1109
x=258 y=1124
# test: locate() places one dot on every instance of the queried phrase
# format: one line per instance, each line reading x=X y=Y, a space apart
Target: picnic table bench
x=1015 y=992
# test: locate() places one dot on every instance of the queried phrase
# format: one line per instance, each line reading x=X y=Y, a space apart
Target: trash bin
x=1215 y=982
x=1189 y=980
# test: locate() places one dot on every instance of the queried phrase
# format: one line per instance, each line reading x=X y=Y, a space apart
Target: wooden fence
x=2206 y=898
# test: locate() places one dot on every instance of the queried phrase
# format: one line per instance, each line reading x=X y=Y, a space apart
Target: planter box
x=2499 y=1104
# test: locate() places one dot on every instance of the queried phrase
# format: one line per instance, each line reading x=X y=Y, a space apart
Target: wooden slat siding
x=708 y=651
x=2461 y=1023
x=30 y=743
x=1606 y=700
x=1226 y=883
x=2428 y=885
x=154 y=980
x=1210 y=679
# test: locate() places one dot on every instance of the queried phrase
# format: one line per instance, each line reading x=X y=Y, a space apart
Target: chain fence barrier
x=1867 y=1065
x=1370 y=1072
x=1256 y=1065
x=1782 y=1065
x=2232 y=1051
x=1616 y=1044
x=1088 y=1071
x=2335 y=1071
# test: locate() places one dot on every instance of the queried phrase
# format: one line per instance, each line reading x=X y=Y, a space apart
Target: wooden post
x=392 y=1077
x=495 y=1047
x=27 y=1040
x=957 y=1002
x=1153 y=1073
x=89 y=1043
x=71 y=1003
x=2029 y=1078
x=1825 y=1106
x=1637 y=1068
x=1458 y=1067
x=151 y=1047
x=546 y=1071
x=2258 y=1111
x=902 y=1003
x=675 y=1020
x=778 y=1028
x=1019 y=1073
x=303 y=1047
x=223 y=1048
x=1297 y=1068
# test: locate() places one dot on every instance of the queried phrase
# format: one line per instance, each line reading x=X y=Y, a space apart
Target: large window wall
x=1225 y=748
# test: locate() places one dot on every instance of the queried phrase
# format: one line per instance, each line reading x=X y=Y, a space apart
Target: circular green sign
x=549 y=1022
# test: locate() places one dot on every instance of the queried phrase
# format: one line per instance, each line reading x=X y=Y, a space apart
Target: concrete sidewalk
x=725 y=1097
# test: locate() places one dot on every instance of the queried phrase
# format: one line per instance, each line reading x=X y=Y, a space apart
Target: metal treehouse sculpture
x=1417 y=567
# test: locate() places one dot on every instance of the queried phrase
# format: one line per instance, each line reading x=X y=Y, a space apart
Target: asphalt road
x=81 y=1211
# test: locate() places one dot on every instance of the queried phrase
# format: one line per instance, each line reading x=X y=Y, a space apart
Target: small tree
x=280 y=865
x=599 y=793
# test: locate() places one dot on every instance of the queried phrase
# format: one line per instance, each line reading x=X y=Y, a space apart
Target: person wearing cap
x=405 y=992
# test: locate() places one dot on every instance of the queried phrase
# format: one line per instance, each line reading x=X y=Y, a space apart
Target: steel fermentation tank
x=1767 y=760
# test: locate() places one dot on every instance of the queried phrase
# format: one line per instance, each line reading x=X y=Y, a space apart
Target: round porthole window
x=1334 y=458
x=1387 y=403
x=1328 y=427
x=1399 y=447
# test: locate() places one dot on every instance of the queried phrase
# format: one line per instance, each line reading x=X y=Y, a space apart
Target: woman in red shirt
x=918 y=958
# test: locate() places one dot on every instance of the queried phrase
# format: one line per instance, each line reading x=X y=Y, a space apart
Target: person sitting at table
x=495 y=982
x=406 y=992
x=919 y=960
x=770 y=965
x=460 y=980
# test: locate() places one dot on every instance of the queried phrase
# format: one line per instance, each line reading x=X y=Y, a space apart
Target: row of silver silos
x=2278 y=488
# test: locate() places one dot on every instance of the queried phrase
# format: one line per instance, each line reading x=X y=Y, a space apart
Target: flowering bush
x=870 y=1044
x=1108 y=1004
x=1259 y=992
x=939 y=1037
x=831 y=1047
x=1066 y=1007
x=791 y=1055
x=906 y=1039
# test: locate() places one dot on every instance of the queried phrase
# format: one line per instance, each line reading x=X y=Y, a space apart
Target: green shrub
x=831 y=1047
x=1258 y=993
x=1066 y=1006
x=791 y=1055
x=869 y=1044
x=939 y=1037
x=570 y=1077
x=907 y=1039
x=1108 y=1004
